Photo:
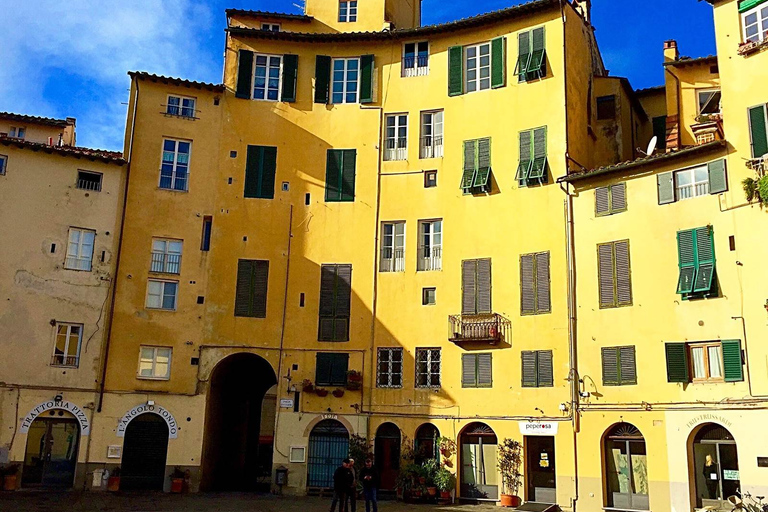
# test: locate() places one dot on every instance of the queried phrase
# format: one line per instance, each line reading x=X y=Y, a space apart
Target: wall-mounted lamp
x=58 y=398
x=150 y=402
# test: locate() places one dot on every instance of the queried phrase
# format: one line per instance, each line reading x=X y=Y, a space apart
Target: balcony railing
x=74 y=263
x=431 y=147
x=166 y=263
x=396 y=149
x=89 y=184
x=62 y=360
x=179 y=111
x=491 y=328
x=392 y=260
x=430 y=258
x=416 y=65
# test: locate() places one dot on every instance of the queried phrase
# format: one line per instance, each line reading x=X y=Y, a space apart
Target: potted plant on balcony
x=445 y=482
x=321 y=392
x=338 y=392
x=510 y=460
x=177 y=480
x=307 y=386
x=354 y=380
x=10 y=477
x=447 y=447
x=113 y=482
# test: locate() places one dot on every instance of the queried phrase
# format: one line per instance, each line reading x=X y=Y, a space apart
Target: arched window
x=425 y=444
x=479 y=477
x=626 y=468
x=716 y=465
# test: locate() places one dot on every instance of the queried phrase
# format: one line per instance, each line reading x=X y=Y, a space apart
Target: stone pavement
x=72 y=501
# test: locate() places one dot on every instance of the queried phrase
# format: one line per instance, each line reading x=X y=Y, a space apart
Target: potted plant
x=430 y=468
x=510 y=460
x=307 y=386
x=177 y=480
x=10 y=475
x=354 y=380
x=321 y=392
x=445 y=483
x=113 y=483
x=338 y=392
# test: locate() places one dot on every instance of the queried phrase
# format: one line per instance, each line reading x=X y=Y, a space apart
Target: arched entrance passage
x=51 y=455
x=328 y=447
x=239 y=425
x=145 y=451
x=715 y=465
x=387 y=451
x=479 y=479
x=425 y=444
x=626 y=468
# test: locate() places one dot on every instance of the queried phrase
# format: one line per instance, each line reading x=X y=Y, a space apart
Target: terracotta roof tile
x=687 y=61
x=267 y=14
x=102 y=155
x=143 y=75
x=49 y=121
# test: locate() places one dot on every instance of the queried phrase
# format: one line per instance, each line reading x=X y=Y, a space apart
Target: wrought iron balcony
x=490 y=328
x=166 y=263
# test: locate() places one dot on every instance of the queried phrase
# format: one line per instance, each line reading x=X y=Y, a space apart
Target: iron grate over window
x=89 y=181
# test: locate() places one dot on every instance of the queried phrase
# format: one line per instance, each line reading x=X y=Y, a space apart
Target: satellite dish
x=652 y=146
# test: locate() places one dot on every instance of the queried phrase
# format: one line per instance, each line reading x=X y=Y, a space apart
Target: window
x=606 y=107
x=696 y=259
x=155 y=363
x=660 y=131
x=175 y=167
x=3 y=164
x=80 y=249
x=613 y=274
x=758 y=121
x=477 y=70
x=389 y=372
x=694 y=182
x=396 y=140
x=87 y=180
x=430 y=179
x=431 y=245
x=755 y=22
x=270 y=27
x=619 y=367
x=534 y=284
x=428 y=296
x=66 y=351
x=477 y=166
x=166 y=256
x=266 y=81
x=711 y=361
x=393 y=247
x=180 y=106
x=431 y=134
x=611 y=199
x=347 y=11
x=266 y=77
x=251 y=290
x=416 y=59
x=531 y=55
x=17 y=132
x=346 y=79
x=340 y=175
x=205 y=242
x=260 y=169
x=537 y=369
x=476 y=371
x=335 y=296
x=331 y=369
x=476 y=287
x=532 y=169
x=709 y=102
x=427 y=367
x=162 y=294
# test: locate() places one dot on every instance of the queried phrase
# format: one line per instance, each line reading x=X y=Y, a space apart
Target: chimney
x=71 y=121
x=584 y=7
x=671 y=53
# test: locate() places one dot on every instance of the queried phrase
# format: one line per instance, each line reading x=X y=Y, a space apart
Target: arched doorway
x=479 y=478
x=51 y=454
x=387 y=452
x=626 y=468
x=239 y=425
x=328 y=447
x=145 y=451
x=425 y=444
x=715 y=465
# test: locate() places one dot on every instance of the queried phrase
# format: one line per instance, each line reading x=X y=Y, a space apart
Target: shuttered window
x=694 y=182
x=476 y=371
x=331 y=369
x=610 y=200
x=290 y=77
x=758 y=122
x=477 y=67
x=340 y=175
x=476 y=287
x=532 y=169
x=613 y=274
x=335 y=296
x=476 y=175
x=696 y=261
x=260 y=168
x=537 y=369
x=534 y=284
x=455 y=71
x=619 y=366
x=531 y=55
x=714 y=361
x=244 y=74
x=251 y=293
x=266 y=77
x=322 y=79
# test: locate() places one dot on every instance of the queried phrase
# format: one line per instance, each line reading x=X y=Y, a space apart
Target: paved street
x=40 y=501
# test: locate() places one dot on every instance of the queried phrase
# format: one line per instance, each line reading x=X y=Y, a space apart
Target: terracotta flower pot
x=432 y=491
x=445 y=495
x=509 y=500
x=113 y=484
x=9 y=482
x=338 y=393
x=321 y=392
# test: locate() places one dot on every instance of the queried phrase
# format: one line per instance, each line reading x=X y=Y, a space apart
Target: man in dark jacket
x=342 y=482
x=370 y=478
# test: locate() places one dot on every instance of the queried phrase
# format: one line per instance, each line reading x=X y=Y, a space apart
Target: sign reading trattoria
x=173 y=428
x=51 y=405
x=538 y=428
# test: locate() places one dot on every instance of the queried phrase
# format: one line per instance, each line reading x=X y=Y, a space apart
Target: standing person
x=342 y=480
x=711 y=473
x=353 y=487
x=370 y=478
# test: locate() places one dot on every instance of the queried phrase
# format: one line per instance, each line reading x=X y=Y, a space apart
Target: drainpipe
x=746 y=357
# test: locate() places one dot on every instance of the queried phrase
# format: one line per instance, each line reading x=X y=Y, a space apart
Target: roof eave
x=64 y=151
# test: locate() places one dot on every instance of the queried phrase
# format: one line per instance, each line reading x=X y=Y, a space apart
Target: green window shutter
x=539 y=168
x=339 y=367
x=323 y=368
x=526 y=156
x=484 y=286
x=623 y=278
x=686 y=258
x=527 y=285
x=244 y=75
x=322 y=78
x=537 y=66
x=484 y=371
x=260 y=168
x=618 y=197
x=543 y=301
x=677 y=362
x=610 y=362
x=470 y=165
x=523 y=55
x=660 y=131
x=602 y=201
x=243 y=288
x=498 y=62
x=757 y=129
x=333 y=169
x=718 y=182
x=705 y=260
x=290 y=77
x=366 y=79
x=546 y=377
x=627 y=366
x=665 y=182
x=606 y=275
x=732 y=362
x=455 y=70
x=268 y=170
x=468 y=370
x=746 y=5
x=530 y=368
x=327 y=310
x=251 y=290
x=343 y=298
x=348 y=167
x=483 y=163
x=469 y=287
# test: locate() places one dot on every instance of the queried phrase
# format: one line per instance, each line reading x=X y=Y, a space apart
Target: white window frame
x=345 y=88
x=76 y=259
x=388 y=351
x=761 y=32
x=431 y=144
x=187 y=111
x=153 y=362
x=293 y=456
x=475 y=84
x=164 y=259
x=267 y=67
x=68 y=334
x=434 y=260
x=696 y=188
x=350 y=11
x=395 y=145
x=3 y=164
x=706 y=361
x=699 y=92
x=162 y=294
x=417 y=68
x=394 y=248
x=175 y=170
x=270 y=27
x=430 y=375
x=17 y=132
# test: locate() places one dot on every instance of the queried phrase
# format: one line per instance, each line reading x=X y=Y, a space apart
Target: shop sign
x=286 y=403
x=173 y=428
x=77 y=412
x=730 y=474
x=708 y=418
x=538 y=428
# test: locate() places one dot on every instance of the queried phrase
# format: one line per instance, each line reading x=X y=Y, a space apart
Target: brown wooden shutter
x=605 y=275
x=484 y=370
x=545 y=371
x=529 y=369
x=243 y=290
x=602 y=201
x=623 y=278
x=469 y=287
x=527 y=285
x=610 y=360
x=468 y=370
x=627 y=365
x=543 y=302
x=484 y=286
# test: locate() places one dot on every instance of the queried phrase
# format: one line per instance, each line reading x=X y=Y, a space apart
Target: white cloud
x=49 y=45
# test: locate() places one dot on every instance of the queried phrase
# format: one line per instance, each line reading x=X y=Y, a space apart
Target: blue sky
x=63 y=59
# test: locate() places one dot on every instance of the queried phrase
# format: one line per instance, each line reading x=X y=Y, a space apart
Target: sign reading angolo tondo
x=173 y=428
x=51 y=405
x=538 y=428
